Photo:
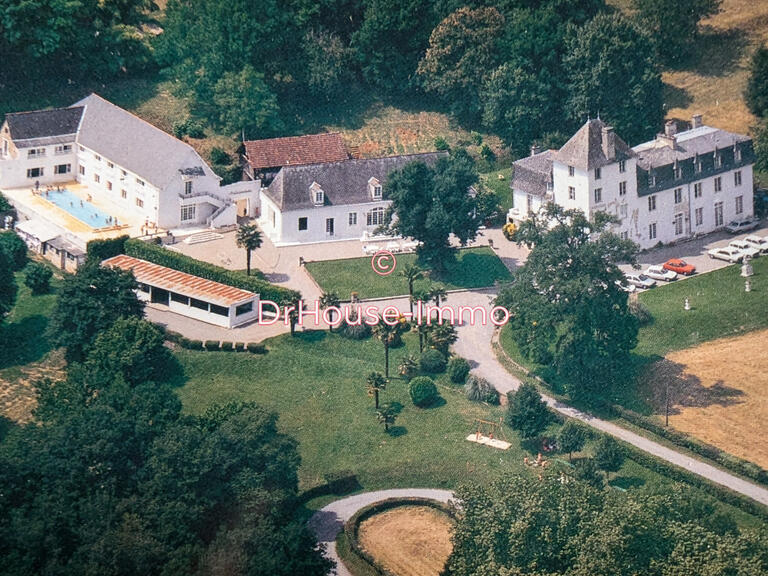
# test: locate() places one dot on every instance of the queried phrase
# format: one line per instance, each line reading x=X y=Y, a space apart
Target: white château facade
x=666 y=190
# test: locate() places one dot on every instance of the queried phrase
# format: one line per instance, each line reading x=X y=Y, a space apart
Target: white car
x=757 y=242
x=729 y=254
x=745 y=247
x=640 y=281
x=660 y=273
x=625 y=287
x=743 y=225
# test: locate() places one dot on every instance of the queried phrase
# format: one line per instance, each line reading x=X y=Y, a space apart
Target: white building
x=665 y=190
x=152 y=175
x=330 y=201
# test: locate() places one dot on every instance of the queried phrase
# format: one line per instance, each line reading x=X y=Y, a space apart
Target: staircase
x=201 y=237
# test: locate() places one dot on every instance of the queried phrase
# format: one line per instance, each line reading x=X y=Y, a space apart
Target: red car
x=679 y=266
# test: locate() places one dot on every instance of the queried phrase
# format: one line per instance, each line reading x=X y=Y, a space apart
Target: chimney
x=670 y=128
x=609 y=142
x=535 y=149
x=697 y=121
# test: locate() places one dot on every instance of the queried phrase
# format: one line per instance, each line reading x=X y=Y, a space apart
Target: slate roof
x=342 y=182
x=295 y=150
x=701 y=141
x=136 y=145
x=585 y=148
x=533 y=173
x=41 y=124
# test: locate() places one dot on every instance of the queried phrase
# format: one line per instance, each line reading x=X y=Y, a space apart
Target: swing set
x=489 y=433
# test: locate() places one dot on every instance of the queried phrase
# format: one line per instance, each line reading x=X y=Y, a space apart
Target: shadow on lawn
x=24 y=341
x=716 y=52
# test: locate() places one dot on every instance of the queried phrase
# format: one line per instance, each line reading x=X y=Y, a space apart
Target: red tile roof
x=296 y=150
x=179 y=282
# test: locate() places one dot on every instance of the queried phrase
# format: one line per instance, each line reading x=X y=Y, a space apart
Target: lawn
x=474 y=268
x=500 y=186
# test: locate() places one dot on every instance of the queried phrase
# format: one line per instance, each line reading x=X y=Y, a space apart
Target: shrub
x=608 y=454
x=441 y=144
x=476 y=138
x=509 y=230
x=527 y=412
x=195 y=345
x=189 y=127
x=586 y=471
x=458 y=370
x=219 y=156
x=641 y=312
x=487 y=154
x=256 y=348
x=355 y=332
x=239 y=346
x=38 y=278
x=432 y=362
x=479 y=389
x=423 y=391
x=211 y=345
x=183 y=341
x=226 y=346
x=5 y=206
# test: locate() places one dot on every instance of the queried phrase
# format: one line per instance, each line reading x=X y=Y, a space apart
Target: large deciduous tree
x=756 y=94
x=565 y=307
x=14 y=249
x=7 y=286
x=527 y=412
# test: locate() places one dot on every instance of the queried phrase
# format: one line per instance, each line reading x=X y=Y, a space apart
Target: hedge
x=101 y=249
x=170 y=259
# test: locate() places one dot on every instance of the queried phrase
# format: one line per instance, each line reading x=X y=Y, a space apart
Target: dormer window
x=316 y=194
x=678 y=171
x=718 y=160
x=737 y=154
x=374 y=189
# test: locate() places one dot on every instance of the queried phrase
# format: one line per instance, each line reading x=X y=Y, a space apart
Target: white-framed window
x=737 y=178
x=188 y=187
x=598 y=173
x=35 y=172
x=739 y=204
x=571 y=171
x=329 y=226
x=718 y=213
x=139 y=203
x=678 y=173
x=622 y=166
x=598 y=195
x=374 y=188
x=737 y=154
x=319 y=197
x=188 y=213
x=718 y=160
x=651 y=203
x=678 y=224
x=697 y=190
x=678 y=195
x=35 y=152
x=352 y=219
x=109 y=185
x=62 y=169
x=377 y=192
x=81 y=170
x=62 y=149
x=652 y=231
x=123 y=173
x=651 y=181
x=697 y=165
x=699 y=216
x=96 y=178
x=97 y=157
x=110 y=164
x=375 y=217
x=622 y=188
x=140 y=182
x=571 y=193
x=718 y=184
x=123 y=193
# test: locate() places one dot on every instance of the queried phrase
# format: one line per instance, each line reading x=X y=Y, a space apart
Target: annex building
x=671 y=188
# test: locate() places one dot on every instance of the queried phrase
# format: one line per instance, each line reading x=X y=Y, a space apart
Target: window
x=739 y=204
x=651 y=203
x=123 y=173
x=624 y=235
x=699 y=215
x=353 y=218
x=571 y=193
x=598 y=195
x=188 y=187
x=187 y=212
x=623 y=188
x=571 y=171
x=697 y=165
x=96 y=178
x=623 y=209
x=622 y=166
x=98 y=158
x=737 y=178
x=375 y=217
x=377 y=192
x=244 y=309
x=140 y=203
x=651 y=181
x=34 y=172
x=697 y=190
x=678 y=173
x=718 y=184
x=303 y=223
x=123 y=194
x=110 y=165
x=678 y=195
x=109 y=185
x=678 y=224
x=737 y=154
x=718 y=160
x=63 y=149
x=718 y=213
x=598 y=173
x=652 y=231
x=139 y=181
x=179 y=298
x=195 y=303
x=36 y=153
x=329 y=226
x=220 y=310
x=81 y=170
x=319 y=197
x=82 y=148
x=62 y=169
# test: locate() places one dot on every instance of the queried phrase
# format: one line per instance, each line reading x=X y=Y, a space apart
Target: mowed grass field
x=474 y=268
x=408 y=540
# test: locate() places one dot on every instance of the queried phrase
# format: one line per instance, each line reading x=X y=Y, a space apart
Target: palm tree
x=386 y=416
x=249 y=237
x=437 y=293
x=293 y=316
x=375 y=383
x=442 y=336
x=423 y=329
x=408 y=366
x=387 y=334
x=329 y=300
x=411 y=273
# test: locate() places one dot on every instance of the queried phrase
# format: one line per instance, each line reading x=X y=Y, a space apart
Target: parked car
x=640 y=281
x=728 y=253
x=658 y=272
x=757 y=242
x=743 y=225
x=745 y=247
x=679 y=266
x=625 y=287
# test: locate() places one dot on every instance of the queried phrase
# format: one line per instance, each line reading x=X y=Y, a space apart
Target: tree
x=7 y=286
x=760 y=133
x=14 y=248
x=329 y=65
x=674 y=24
x=586 y=471
x=249 y=237
x=408 y=366
x=329 y=300
x=442 y=336
x=527 y=412
x=571 y=438
x=5 y=206
x=386 y=415
x=757 y=87
x=565 y=307
x=245 y=103
x=38 y=278
x=608 y=454
x=411 y=273
x=375 y=383
x=612 y=73
x=388 y=334
x=437 y=293
x=89 y=302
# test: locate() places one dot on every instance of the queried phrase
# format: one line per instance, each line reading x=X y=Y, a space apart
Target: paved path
x=327 y=522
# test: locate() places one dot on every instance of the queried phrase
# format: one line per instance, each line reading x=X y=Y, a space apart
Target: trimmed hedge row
x=164 y=257
x=211 y=345
x=353 y=524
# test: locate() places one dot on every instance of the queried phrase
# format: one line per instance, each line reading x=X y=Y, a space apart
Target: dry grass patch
x=408 y=540
x=17 y=393
x=718 y=393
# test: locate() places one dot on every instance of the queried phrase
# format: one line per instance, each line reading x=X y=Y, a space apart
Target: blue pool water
x=80 y=209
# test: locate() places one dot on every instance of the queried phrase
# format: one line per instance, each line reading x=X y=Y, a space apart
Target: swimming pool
x=84 y=211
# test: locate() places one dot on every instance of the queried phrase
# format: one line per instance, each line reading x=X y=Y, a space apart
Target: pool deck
x=30 y=204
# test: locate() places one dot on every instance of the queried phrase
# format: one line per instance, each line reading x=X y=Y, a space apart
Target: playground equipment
x=487 y=432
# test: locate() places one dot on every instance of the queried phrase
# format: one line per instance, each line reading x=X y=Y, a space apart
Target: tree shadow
x=437 y=403
x=310 y=336
x=715 y=52
x=397 y=431
x=24 y=341
x=675 y=97
x=627 y=482
x=174 y=374
x=277 y=277
x=396 y=407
